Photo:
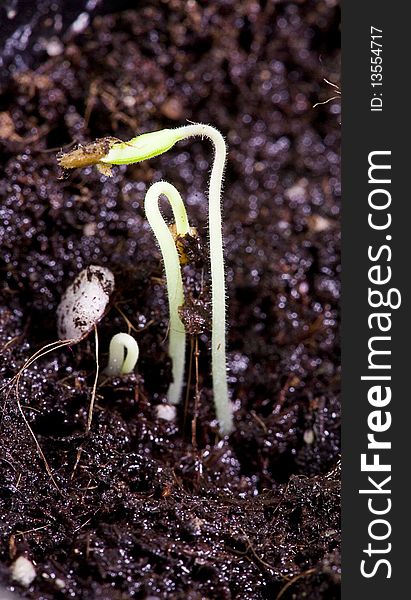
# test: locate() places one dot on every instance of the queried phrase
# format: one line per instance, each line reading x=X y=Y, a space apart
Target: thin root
x=292 y=581
x=15 y=382
x=337 y=95
x=93 y=392
x=326 y=101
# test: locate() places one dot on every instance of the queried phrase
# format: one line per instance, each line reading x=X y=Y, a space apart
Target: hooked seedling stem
x=177 y=340
x=152 y=144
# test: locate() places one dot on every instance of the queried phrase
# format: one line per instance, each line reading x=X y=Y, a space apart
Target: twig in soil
x=338 y=94
x=251 y=547
x=78 y=456
x=36 y=356
x=11 y=342
x=129 y=324
x=23 y=533
x=259 y=420
x=325 y=101
x=292 y=581
x=16 y=383
x=9 y=463
x=39 y=450
x=83 y=525
x=87 y=488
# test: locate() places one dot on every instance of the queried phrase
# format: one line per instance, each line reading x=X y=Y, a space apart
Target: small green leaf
x=142 y=147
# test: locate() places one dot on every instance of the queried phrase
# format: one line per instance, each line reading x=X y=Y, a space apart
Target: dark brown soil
x=142 y=511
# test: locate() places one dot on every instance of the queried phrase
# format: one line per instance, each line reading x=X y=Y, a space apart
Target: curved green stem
x=152 y=144
x=118 y=364
x=218 y=293
x=177 y=339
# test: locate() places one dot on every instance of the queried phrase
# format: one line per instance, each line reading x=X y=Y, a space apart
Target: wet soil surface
x=141 y=507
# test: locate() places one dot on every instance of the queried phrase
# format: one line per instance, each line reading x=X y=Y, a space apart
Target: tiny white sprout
x=22 y=570
x=122 y=355
x=167 y=412
x=59 y=583
x=309 y=436
x=84 y=302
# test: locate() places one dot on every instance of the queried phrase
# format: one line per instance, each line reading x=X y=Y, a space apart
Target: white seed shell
x=167 y=412
x=84 y=302
x=22 y=570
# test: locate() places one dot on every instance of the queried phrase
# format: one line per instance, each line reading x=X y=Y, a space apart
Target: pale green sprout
x=122 y=355
x=177 y=336
x=152 y=144
x=142 y=147
x=149 y=145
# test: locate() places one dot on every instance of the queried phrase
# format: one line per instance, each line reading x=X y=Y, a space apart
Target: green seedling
x=147 y=146
x=177 y=340
x=122 y=355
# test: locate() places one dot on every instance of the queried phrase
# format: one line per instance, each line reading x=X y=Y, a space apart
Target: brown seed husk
x=86 y=155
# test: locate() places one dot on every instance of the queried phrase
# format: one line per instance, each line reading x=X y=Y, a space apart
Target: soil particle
x=147 y=507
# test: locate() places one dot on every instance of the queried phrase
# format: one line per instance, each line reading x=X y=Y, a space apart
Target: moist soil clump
x=143 y=507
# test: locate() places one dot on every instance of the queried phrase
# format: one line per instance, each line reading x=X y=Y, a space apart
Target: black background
x=363 y=132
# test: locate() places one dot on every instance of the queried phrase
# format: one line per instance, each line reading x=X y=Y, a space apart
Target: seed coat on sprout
x=152 y=144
